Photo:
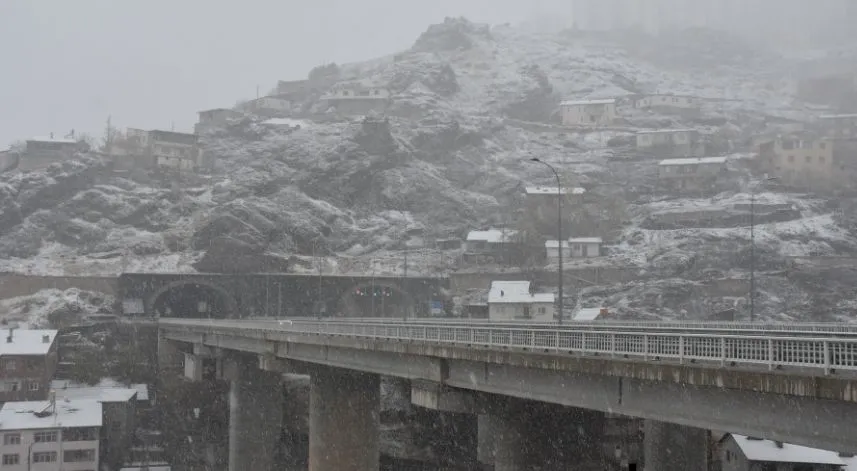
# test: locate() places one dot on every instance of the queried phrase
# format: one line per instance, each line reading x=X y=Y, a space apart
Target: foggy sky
x=150 y=63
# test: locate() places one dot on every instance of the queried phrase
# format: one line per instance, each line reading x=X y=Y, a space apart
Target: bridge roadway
x=795 y=383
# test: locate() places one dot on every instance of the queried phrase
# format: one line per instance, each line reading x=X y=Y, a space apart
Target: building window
x=542 y=310
x=45 y=437
x=11 y=438
x=115 y=426
x=34 y=386
x=788 y=145
x=78 y=456
x=14 y=386
x=821 y=159
x=345 y=93
x=791 y=158
x=79 y=434
x=44 y=457
x=9 y=365
x=808 y=158
x=11 y=459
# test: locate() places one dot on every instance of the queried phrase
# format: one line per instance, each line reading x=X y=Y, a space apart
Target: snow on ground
x=34 y=311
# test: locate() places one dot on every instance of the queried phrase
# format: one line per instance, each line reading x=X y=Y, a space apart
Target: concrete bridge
x=214 y=295
x=793 y=383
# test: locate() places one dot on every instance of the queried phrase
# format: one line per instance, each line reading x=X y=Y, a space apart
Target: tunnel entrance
x=193 y=300
x=377 y=300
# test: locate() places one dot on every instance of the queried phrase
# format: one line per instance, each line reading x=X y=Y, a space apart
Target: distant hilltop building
x=41 y=152
x=357 y=99
x=167 y=150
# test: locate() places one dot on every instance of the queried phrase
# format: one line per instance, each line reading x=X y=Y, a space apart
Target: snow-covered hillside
x=471 y=104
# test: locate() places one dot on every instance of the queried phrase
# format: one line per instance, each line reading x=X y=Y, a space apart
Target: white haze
x=154 y=63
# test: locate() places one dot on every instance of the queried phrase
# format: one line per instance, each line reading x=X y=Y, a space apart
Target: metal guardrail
x=670 y=326
x=818 y=355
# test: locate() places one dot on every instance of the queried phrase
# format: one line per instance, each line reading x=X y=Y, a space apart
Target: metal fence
x=820 y=355
x=823 y=329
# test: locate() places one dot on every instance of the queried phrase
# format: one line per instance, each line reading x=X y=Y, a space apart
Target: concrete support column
x=671 y=447
x=344 y=414
x=511 y=443
x=255 y=420
x=485 y=446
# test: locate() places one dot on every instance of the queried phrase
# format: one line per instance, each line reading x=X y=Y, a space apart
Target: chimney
x=11 y=335
x=46 y=338
x=502 y=293
x=779 y=444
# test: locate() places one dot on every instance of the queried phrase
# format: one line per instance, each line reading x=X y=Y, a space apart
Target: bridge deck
x=798 y=352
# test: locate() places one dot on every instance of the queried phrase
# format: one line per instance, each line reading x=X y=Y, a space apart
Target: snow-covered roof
x=146 y=466
x=516 y=292
x=26 y=342
x=694 y=161
x=552 y=244
x=768 y=451
x=492 y=235
x=676 y=95
x=552 y=190
x=586 y=314
x=606 y=101
x=285 y=122
x=98 y=393
x=53 y=139
x=68 y=414
x=664 y=131
x=142 y=390
x=585 y=240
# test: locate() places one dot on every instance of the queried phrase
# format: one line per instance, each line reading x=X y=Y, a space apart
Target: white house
x=50 y=435
x=574 y=247
x=489 y=240
x=215 y=118
x=357 y=99
x=742 y=453
x=677 y=142
x=584 y=247
x=512 y=300
x=669 y=102
x=588 y=113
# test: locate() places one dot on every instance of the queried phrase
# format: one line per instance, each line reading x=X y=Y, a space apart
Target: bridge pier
x=255 y=416
x=672 y=447
x=344 y=417
x=486 y=445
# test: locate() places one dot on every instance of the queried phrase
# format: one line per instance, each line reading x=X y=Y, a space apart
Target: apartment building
x=174 y=150
x=214 y=119
x=692 y=174
x=806 y=161
x=670 y=142
x=28 y=361
x=54 y=435
x=41 y=152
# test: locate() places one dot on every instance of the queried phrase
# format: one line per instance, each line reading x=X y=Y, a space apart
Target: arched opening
x=193 y=300
x=376 y=300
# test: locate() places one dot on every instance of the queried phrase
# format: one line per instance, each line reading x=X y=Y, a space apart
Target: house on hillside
x=42 y=152
x=574 y=247
x=174 y=150
x=669 y=103
x=742 y=453
x=267 y=106
x=670 y=142
x=589 y=314
x=357 y=99
x=692 y=174
x=588 y=112
x=513 y=300
x=802 y=160
x=214 y=119
x=542 y=200
x=492 y=245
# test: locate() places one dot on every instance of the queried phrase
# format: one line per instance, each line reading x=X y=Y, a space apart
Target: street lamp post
x=753 y=248
x=558 y=232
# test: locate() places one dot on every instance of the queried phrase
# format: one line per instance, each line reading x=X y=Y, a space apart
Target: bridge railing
x=822 y=355
x=658 y=326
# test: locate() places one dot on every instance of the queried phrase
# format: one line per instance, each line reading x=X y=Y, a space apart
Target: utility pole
x=558 y=234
